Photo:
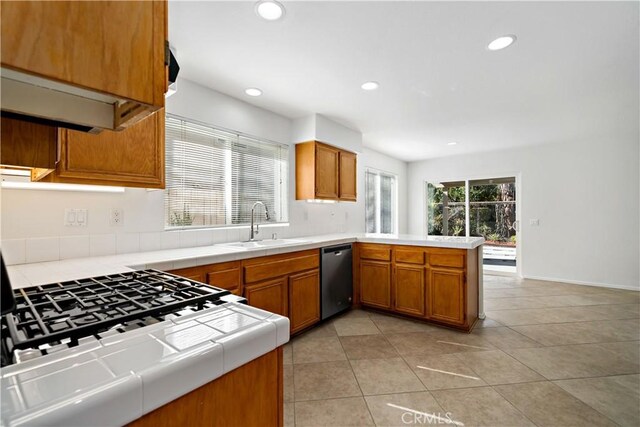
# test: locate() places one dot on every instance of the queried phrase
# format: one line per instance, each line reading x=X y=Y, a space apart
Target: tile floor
x=547 y=354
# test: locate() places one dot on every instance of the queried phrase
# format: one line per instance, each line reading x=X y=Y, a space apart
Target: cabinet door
x=446 y=295
x=409 y=290
x=133 y=157
x=375 y=284
x=108 y=46
x=225 y=276
x=304 y=300
x=192 y=273
x=270 y=295
x=327 y=160
x=348 y=176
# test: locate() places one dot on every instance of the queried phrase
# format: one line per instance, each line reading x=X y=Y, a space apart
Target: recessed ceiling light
x=452 y=143
x=502 y=42
x=253 y=91
x=269 y=10
x=370 y=85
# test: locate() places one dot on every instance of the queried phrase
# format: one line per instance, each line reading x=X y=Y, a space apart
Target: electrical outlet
x=117 y=217
x=75 y=217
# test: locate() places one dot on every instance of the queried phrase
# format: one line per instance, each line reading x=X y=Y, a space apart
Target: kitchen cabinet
x=131 y=158
x=270 y=295
x=192 y=273
x=286 y=284
x=225 y=275
x=446 y=295
x=251 y=395
x=304 y=299
x=104 y=60
x=438 y=285
x=325 y=172
x=28 y=145
x=375 y=284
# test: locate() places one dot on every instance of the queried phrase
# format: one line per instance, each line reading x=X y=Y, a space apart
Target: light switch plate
x=75 y=218
x=534 y=222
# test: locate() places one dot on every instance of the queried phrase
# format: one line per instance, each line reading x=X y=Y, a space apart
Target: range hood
x=37 y=98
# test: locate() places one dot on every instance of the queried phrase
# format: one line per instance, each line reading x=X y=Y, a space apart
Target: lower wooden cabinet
x=433 y=284
x=375 y=284
x=271 y=295
x=193 y=273
x=226 y=275
x=409 y=289
x=304 y=300
x=446 y=295
x=251 y=395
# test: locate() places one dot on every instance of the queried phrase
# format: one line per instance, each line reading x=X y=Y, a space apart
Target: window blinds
x=213 y=177
x=380 y=202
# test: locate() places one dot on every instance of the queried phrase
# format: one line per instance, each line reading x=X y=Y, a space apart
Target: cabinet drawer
x=225 y=277
x=409 y=256
x=449 y=258
x=280 y=267
x=376 y=252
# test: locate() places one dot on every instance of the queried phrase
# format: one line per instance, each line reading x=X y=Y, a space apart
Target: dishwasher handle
x=336 y=250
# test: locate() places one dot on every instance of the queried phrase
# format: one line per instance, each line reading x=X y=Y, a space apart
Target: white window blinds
x=213 y=177
x=380 y=202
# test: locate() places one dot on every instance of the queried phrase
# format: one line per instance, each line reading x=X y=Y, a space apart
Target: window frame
x=228 y=186
x=394 y=201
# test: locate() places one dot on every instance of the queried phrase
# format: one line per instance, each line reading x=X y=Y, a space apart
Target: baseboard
x=580 y=282
x=499 y=273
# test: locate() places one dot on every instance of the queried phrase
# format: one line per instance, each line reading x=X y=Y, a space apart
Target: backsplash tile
x=14 y=251
x=102 y=244
x=170 y=240
x=43 y=249
x=74 y=247
x=150 y=242
x=127 y=243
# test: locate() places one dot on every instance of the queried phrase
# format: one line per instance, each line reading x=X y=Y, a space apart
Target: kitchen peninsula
x=140 y=372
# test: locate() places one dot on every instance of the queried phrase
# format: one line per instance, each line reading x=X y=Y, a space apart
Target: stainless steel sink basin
x=264 y=243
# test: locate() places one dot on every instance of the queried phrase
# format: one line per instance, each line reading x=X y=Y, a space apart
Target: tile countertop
x=23 y=275
x=118 y=379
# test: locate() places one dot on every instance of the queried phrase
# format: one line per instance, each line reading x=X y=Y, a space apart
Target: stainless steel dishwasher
x=336 y=279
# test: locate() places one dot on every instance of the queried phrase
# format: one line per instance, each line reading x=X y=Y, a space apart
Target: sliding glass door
x=478 y=207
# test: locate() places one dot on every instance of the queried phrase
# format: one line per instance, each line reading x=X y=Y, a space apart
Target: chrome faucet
x=257 y=229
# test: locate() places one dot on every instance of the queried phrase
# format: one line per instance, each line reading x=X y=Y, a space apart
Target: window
x=380 y=202
x=213 y=177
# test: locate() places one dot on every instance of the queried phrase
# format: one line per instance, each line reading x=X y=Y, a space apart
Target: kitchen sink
x=264 y=243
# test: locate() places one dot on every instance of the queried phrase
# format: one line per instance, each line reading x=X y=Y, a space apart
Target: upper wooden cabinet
x=105 y=60
x=325 y=172
x=131 y=158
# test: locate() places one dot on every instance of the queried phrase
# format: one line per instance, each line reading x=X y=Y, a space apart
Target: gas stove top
x=51 y=317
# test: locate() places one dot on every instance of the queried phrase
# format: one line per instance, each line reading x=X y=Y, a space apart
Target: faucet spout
x=255 y=231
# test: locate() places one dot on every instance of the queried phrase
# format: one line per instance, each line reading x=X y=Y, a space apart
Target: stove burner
x=68 y=311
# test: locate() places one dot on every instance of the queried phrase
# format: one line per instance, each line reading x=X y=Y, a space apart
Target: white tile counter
x=23 y=275
x=120 y=378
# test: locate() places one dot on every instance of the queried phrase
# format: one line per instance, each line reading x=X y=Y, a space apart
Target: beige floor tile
x=334 y=412
x=424 y=343
x=346 y=326
x=481 y=406
x=287 y=353
x=582 y=332
x=394 y=325
x=368 y=347
x=502 y=338
x=405 y=409
x=326 y=380
x=384 y=376
x=558 y=315
x=320 y=349
x=579 y=361
x=324 y=329
x=616 y=397
x=288 y=383
x=487 y=323
x=289 y=414
x=443 y=372
x=497 y=367
x=546 y=404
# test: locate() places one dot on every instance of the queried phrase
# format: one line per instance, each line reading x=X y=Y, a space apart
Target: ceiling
x=573 y=72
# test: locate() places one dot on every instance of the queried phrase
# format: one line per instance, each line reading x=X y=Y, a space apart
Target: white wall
x=32 y=227
x=585 y=194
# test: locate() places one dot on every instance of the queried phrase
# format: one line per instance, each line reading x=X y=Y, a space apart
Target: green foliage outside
x=181 y=219
x=492 y=211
